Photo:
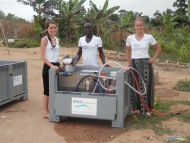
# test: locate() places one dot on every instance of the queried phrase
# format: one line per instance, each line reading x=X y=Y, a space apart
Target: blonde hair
x=138 y=18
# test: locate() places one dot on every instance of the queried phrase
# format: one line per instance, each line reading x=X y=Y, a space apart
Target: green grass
x=154 y=122
x=162 y=107
x=165 y=55
x=184 y=102
x=182 y=85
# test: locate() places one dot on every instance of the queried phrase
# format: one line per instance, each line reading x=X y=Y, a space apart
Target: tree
x=168 y=22
x=123 y=23
x=114 y=17
x=100 y=17
x=181 y=12
x=70 y=16
x=2 y=15
x=181 y=6
x=41 y=7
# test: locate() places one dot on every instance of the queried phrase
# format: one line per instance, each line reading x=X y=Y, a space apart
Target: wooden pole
x=4 y=37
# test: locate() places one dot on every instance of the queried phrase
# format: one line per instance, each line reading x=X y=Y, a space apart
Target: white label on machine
x=17 y=80
x=84 y=106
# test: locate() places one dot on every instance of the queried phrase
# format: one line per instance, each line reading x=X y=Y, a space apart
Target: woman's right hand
x=151 y=60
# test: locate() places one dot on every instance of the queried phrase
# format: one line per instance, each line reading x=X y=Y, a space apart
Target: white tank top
x=52 y=53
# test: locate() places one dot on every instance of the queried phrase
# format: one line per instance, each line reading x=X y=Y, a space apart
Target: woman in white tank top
x=50 y=57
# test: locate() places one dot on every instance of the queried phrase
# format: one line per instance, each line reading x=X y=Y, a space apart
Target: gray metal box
x=105 y=109
x=13 y=81
x=65 y=101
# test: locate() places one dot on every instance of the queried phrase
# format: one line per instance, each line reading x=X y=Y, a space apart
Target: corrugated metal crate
x=13 y=81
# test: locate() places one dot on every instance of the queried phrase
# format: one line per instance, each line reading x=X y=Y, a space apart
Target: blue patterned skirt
x=146 y=72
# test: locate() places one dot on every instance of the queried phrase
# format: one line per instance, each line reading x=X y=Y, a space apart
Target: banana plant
x=71 y=13
x=168 y=22
x=123 y=23
x=100 y=17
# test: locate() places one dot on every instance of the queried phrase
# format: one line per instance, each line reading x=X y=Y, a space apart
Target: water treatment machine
x=90 y=92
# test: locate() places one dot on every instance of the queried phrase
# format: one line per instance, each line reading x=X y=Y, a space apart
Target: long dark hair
x=48 y=22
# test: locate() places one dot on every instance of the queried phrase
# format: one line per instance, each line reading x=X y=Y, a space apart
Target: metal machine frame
x=114 y=107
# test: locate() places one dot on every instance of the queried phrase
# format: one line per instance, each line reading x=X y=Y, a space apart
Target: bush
x=24 y=43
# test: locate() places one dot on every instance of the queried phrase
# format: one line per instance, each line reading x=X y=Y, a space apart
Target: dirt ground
x=22 y=121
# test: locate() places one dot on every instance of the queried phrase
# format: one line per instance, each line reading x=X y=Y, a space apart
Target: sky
x=147 y=7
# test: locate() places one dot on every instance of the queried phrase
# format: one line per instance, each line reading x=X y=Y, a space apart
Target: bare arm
x=128 y=55
x=102 y=55
x=158 y=50
x=79 y=53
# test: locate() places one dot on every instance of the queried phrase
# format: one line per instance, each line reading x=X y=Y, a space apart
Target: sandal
x=46 y=116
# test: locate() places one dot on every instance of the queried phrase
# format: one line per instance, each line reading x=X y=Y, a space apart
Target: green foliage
x=166 y=55
x=2 y=14
x=155 y=121
x=181 y=6
x=170 y=28
x=38 y=25
x=185 y=117
x=175 y=46
x=188 y=138
x=183 y=85
x=189 y=9
x=26 y=43
x=125 y=19
x=70 y=20
x=184 y=54
x=184 y=102
x=158 y=106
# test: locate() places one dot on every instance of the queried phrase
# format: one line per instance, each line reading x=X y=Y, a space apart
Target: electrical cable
x=129 y=68
x=106 y=77
x=108 y=90
x=114 y=78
